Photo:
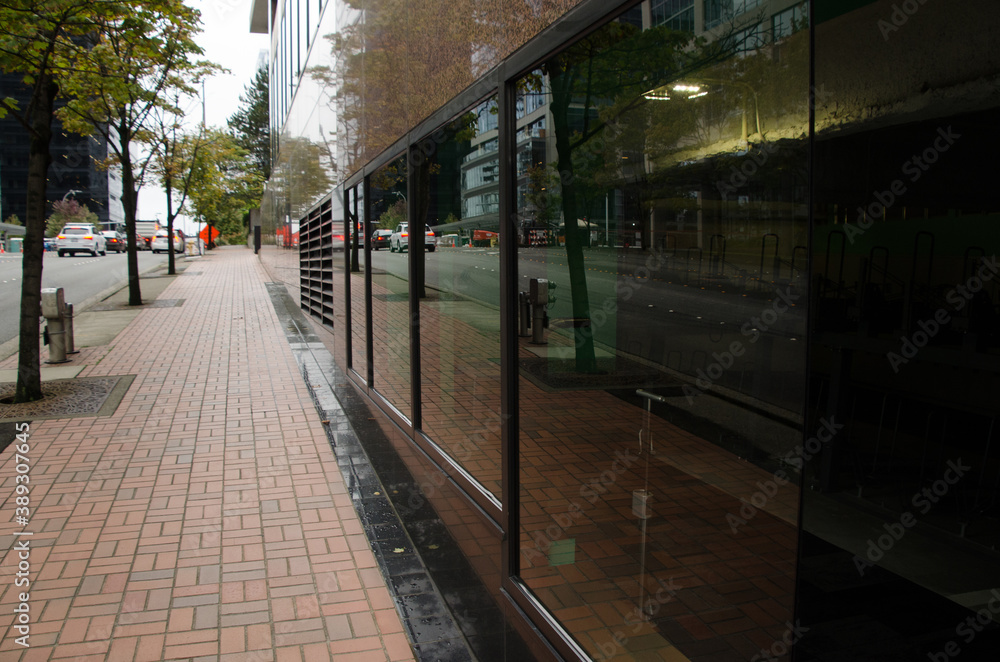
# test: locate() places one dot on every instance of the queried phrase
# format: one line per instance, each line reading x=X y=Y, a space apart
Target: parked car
x=380 y=239
x=161 y=243
x=80 y=238
x=399 y=241
x=114 y=241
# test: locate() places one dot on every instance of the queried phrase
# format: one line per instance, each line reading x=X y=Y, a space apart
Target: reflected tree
x=594 y=84
x=399 y=60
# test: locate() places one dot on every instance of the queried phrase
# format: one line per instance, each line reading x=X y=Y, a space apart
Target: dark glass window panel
x=460 y=302
x=901 y=523
x=353 y=217
x=663 y=204
x=390 y=282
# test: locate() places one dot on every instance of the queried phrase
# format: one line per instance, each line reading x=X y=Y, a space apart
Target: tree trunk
x=130 y=198
x=352 y=235
x=29 y=375
x=583 y=332
x=168 y=188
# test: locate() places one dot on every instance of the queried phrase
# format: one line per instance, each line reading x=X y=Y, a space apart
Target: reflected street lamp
x=696 y=89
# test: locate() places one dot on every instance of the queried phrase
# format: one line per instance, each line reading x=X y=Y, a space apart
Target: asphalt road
x=80 y=276
x=648 y=296
x=644 y=309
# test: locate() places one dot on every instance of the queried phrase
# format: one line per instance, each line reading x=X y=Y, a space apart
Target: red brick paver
x=207 y=518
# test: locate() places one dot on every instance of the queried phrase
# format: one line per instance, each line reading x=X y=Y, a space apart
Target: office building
x=707 y=368
x=75 y=169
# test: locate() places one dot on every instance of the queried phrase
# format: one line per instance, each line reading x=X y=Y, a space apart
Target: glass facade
x=460 y=302
x=900 y=522
x=390 y=290
x=703 y=342
x=650 y=369
x=353 y=230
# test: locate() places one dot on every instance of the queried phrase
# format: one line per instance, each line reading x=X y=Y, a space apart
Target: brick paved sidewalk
x=207 y=518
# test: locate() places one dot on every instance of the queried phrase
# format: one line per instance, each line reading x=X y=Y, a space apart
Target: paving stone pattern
x=206 y=519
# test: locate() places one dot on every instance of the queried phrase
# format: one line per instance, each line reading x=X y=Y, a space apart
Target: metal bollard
x=70 y=342
x=539 y=295
x=53 y=309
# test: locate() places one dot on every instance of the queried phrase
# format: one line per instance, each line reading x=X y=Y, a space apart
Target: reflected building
x=707 y=367
x=74 y=172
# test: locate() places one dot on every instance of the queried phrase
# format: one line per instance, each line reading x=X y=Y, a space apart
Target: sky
x=227 y=42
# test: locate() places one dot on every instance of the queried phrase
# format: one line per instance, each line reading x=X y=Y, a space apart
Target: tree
x=594 y=84
x=393 y=216
x=42 y=40
x=301 y=171
x=399 y=60
x=139 y=64
x=13 y=219
x=177 y=159
x=222 y=189
x=65 y=212
x=251 y=125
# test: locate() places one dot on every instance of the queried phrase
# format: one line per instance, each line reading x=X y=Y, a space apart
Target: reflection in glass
x=354 y=217
x=390 y=289
x=459 y=314
x=340 y=312
x=906 y=337
x=660 y=198
x=396 y=61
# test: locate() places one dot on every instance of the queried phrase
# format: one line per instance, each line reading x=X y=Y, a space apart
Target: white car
x=160 y=243
x=82 y=238
x=400 y=239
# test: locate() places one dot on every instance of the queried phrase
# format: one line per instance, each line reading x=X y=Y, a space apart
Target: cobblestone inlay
x=67 y=398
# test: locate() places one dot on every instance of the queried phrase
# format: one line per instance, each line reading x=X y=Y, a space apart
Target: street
x=642 y=308
x=80 y=276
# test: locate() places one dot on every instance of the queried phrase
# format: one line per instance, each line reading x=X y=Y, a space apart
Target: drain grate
x=67 y=398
